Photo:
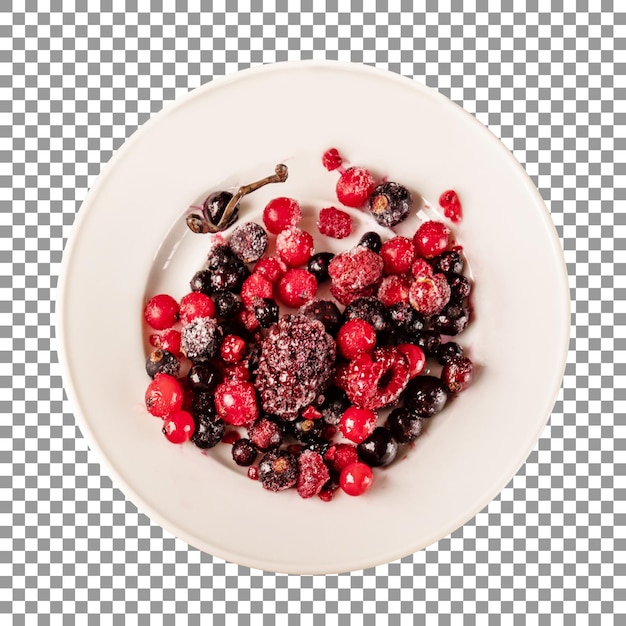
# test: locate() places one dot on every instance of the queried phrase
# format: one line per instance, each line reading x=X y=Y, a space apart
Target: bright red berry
x=164 y=395
x=355 y=269
x=161 y=312
x=233 y=349
x=355 y=186
x=236 y=402
x=357 y=424
x=398 y=255
x=421 y=267
x=253 y=472
x=356 y=479
x=457 y=374
x=281 y=213
x=195 y=304
x=340 y=455
x=270 y=268
x=331 y=159
x=297 y=287
x=255 y=286
x=312 y=474
x=294 y=246
x=311 y=413
x=415 y=356
x=431 y=239
x=429 y=294
x=168 y=340
x=394 y=289
x=451 y=205
x=334 y=223
x=178 y=427
x=354 y=337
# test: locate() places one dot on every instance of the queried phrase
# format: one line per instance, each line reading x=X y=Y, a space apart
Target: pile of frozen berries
x=299 y=394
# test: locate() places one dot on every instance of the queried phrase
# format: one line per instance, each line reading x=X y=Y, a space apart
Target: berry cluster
x=307 y=386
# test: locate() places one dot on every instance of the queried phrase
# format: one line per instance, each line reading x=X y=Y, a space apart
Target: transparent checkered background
x=76 y=81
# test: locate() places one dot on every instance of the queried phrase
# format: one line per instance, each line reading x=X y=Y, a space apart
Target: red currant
x=415 y=356
x=281 y=213
x=398 y=255
x=168 y=340
x=357 y=424
x=178 y=427
x=354 y=337
x=270 y=268
x=236 y=402
x=297 y=287
x=161 y=312
x=431 y=239
x=356 y=478
x=457 y=374
x=294 y=246
x=254 y=287
x=354 y=187
x=195 y=304
x=233 y=349
x=164 y=395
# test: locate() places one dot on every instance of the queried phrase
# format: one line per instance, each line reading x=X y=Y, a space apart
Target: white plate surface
x=129 y=242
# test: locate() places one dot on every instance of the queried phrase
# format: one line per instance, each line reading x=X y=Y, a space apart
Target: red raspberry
x=429 y=294
x=346 y=297
x=331 y=159
x=236 y=402
x=339 y=455
x=195 y=304
x=297 y=287
x=431 y=239
x=281 y=213
x=312 y=475
x=168 y=340
x=357 y=424
x=164 y=395
x=415 y=356
x=233 y=349
x=451 y=205
x=161 y=312
x=457 y=374
x=393 y=289
x=178 y=427
x=354 y=187
x=255 y=286
x=270 y=268
x=334 y=223
x=354 y=337
x=355 y=269
x=311 y=413
x=398 y=255
x=294 y=246
x=356 y=479
x=265 y=434
x=421 y=267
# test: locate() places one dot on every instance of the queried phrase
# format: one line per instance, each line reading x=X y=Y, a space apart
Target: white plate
x=129 y=242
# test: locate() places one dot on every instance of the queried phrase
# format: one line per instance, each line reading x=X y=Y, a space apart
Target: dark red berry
x=227 y=304
x=452 y=319
x=357 y=424
x=236 y=402
x=294 y=246
x=372 y=241
x=281 y=213
x=203 y=377
x=244 y=452
x=370 y=309
x=266 y=312
x=161 y=312
x=354 y=337
x=318 y=265
x=312 y=474
x=457 y=374
x=248 y=242
x=460 y=286
x=426 y=396
x=331 y=159
x=431 y=239
x=448 y=261
x=346 y=296
x=164 y=395
x=429 y=341
x=231 y=437
x=233 y=349
x=278 y=470
x=324 y=311
x=214 y=206
x=297 y=287
x=354 y=187
x=199 y=339
x=356 y=479
x=398 y=255
x=253 y=472
x=404 y=425
x=451 y=205
x=334 y=223
x=390 y=204
x=178 y=427
x=448 y=351
x=195 y=304
x=209 y=430
x=266 y=434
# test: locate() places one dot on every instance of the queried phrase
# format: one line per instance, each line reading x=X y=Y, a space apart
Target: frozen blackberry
x=448 y=261
x=404 y=318
x=214 y=206
x=201 y=282
x=404 y=424
x=203 y=377
x=304 y=429
x=278 y=470
x=372 y=241
x=244 y=452
x=266 y=312
x=248 y=242
x=326 y=312
x=162 y=362
x=460 y=287
x=429 y=341
x=199 y=339
x=426 y=396
x=379 y=449
x=296 y=363
x=452 y=320
x=227 y=304
x=370 y=309
x=208 y=432
x=390 y=204
x=318 y=265
x=334 y=406
x=448 y=351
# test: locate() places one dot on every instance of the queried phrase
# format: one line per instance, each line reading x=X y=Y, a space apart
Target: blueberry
x=452 y=320
x=459 y=286
x=448 y=351
x=162 y=362
x=379 y=449
x=429 y=341
x=426 y=396
x=214 y=206
x=227 y=304
x=278 y=470
x=403 y=317
x=370 y=309
x=209 y=430
x=371 y=241
x=404 y=424
x=318 y=265
x=326 y=312
x=266 y=312
x=203 y=377
x=448 y=261
x=244 y=452
x=334 y=406
x=390 y=204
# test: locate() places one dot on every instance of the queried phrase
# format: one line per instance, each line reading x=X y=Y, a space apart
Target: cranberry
x=415 y=356
x=334 y=223
x=331 y=159
x=398 y=255
x=255 y=287
x=236 y=402
x=195 y=304
x=168 y=340
x=357 y=424
x=233 y=349
x=431 y=239
x=429 y=294
x=356 y=479
x=451 y=205
x=164 y=395
x=354 y=337
x=297 y=287
x=178 y=426
x=294 y=246
x=394 y=289
x=161 y=312
x=270 y=268
x=281 y=213
x=457 y=374
x=354 y=187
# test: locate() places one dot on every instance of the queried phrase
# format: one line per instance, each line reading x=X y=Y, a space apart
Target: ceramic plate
x=130 y=242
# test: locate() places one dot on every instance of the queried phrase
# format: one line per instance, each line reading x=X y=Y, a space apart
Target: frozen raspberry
x=377 y=380
x=431 y=239
x=178 y=427
x=398 y=255
x=390 y=204
x=236 y=402
x=281 y=213
x=354 y=187
x=312 y=475
x=161 y=312
x=278 y=470
x=415 y=357
x=195 y=304
x=457 y=374
x=394 y=289
x=354 y=337
x=346 y=297
x=270 y=268
x=356 y=269
x=266 y=434
x=199 y=340
x=255 y=287
x=334 y=223
x=451 y=205
x=331 y=159
x=357 y=424
x=356 y=479
x=296 y=364
x=168 y=340
x=429 y=294
x=294 y=246
x=341 y=454
x=421 y=267
x=233 y=349
x=249 y=242
x=297 y=287
x=164 y=395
